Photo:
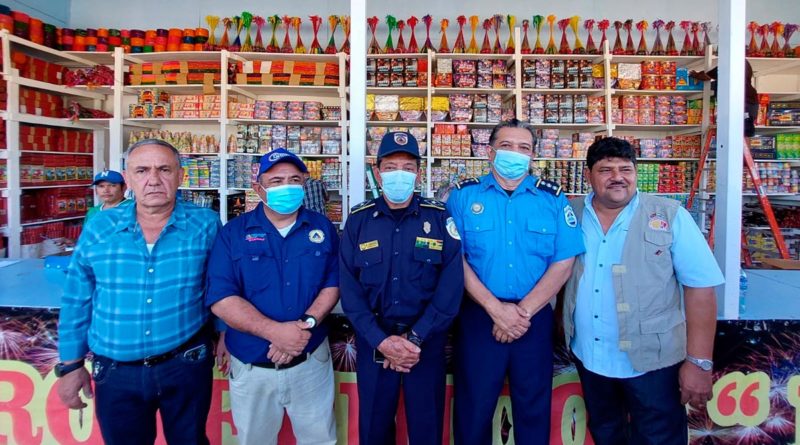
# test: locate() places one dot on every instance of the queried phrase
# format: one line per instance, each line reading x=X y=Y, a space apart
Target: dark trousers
x=128 y=396
x=481 y=366
x=644 y=410
x=423 y=391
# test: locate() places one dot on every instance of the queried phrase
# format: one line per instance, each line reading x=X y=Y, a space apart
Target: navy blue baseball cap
x=277 y=156
x=398 y=142
x=108 y=176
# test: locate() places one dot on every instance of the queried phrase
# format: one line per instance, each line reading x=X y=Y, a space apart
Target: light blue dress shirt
x=596 y=340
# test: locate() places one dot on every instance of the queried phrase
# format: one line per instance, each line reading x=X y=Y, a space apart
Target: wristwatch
x=310 y=319
x=704 y=364
x=414 y=338
x=61 y=369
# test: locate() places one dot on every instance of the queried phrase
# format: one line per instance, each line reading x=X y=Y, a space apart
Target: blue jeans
x=128 y=396
x=644 y=410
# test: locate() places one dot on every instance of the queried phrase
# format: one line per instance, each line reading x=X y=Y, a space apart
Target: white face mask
x=284 y=199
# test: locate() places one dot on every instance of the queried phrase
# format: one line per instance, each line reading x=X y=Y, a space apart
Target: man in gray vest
x=639 y=309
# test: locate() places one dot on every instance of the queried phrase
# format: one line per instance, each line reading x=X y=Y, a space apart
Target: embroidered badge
x=477 y=208
x=316 y=236
x=368 y=245
x=275 y=156
x=569 y=216
x=658 y=222
x=400 y=138
x=452 y=230
x=253 y=237
x=426 y=227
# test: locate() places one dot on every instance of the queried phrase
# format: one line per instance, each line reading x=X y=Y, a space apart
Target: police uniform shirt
x=280 y=276
x=402 y=270
x=510 y=240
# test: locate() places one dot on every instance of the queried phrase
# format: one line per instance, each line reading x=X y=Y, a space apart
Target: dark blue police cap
x=398 y=142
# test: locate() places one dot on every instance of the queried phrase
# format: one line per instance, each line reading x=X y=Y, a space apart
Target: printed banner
x=756 y=390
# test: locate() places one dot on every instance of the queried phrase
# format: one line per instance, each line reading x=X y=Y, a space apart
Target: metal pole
x=358 y=101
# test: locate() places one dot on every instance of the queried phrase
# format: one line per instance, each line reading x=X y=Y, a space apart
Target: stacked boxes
x=184 y=141
x=176 y=73
x=55 y=170
x=655 y=110
x=569 y=174
x=397 y=72
x=40 y=103
x=776 y=177
x=450 y=171
x=563 y=109
x=195 y=106
x=375 y=134
x=281 y=72
x=242 y=171
x=55 y=139
x=37 y=69
x=552 y=144
x=285 y=110
x=297 y=139
x=788 y=145
x=38 y=205
x=484 y=74
x=558 y=74
x=200 y=171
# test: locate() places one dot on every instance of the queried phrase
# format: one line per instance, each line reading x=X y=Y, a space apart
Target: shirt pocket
x=313 y=262
x=258 y=270
x=477 y=235
x=370 y=265
x=428 y=263
x=540 y=238
x=657 y=247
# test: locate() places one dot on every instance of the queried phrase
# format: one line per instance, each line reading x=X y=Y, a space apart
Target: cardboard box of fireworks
x=177 y=73
x=292 y=73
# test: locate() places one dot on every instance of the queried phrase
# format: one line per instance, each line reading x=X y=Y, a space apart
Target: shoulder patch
x=432 y=203
x=467 y=182
x=364 y=205
x=548 y=186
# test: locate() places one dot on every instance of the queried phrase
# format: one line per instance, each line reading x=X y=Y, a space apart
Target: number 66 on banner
x=740 y=399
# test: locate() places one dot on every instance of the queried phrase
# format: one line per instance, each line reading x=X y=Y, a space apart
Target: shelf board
x=679 y=60
x=68 y=218
x=398 y=56
x=248 y=56
x=656 y=127
x=4 y=154
x=215 y=154
x=790 y=161
x=171 y=89
x=688 y=93
x=57 y=89
x=168 y=56
x=322 y=156
x=460 y=157
x=596 y=58
x=469 y=124
x=452 y=90
x=98 y=58
x=307 y=123
x=287 y=90
x=763 y=66
x=45 y=53
x=83 y=124
x=42 y=152
x=464 y=56
x=200 y=189
x=397 y=123
x=586 y=91
x=108 y=90
x=400 y=91
x=589 y=127
x=668 y=159
x=777 y=129
x=37 y=187
x=198 y=121
x=783 y=95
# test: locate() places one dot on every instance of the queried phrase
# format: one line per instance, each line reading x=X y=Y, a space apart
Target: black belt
x=154 y=360
x=294 y=362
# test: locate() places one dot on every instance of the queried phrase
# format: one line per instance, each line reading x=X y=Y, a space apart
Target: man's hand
x=278 y=356
x=400 y=354
x=290 y=337
x=70 y=385
x=511 y=319
x=222 y=355
x=695 y=385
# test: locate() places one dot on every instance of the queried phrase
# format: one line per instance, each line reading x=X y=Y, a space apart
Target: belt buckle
x=277 y=366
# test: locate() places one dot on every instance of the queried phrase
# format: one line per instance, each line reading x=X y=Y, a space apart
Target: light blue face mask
x=285 y=199
x=398 y=185
x=510 y=164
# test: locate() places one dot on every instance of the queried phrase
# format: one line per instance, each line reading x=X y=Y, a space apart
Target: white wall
x=187 y=13
x=55 y=12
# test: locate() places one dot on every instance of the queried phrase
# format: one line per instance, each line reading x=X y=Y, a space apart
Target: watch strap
x=62 y=369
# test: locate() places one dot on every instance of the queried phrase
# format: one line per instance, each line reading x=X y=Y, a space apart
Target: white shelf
x=46 y=53
x=782 y=95
x=469 y=124
x=200 y=189
x=464 y=56
x=97 y=58
x=400 y=91
x=451 y=90
x=586 y=91
x=108 y=90
x=167 y=56
x=83 y=124
x=474 y=158
x=669 y=128
x=329 y=58
x=37 y=187
x=589 y=127
x=596 y=58
x=398 y=56
x=47 y=221
x=215 y=154
x=172 y=89
x=679 y=60
x=42 y=152
x=763 y=66
x=4 y=154
x=770 y=130
x=285 y=90
x=321 y=156
x=689 y=93
x=668 y=159
x=306 y=123
x=58 y=89
x=397 y=123
x=199 y=121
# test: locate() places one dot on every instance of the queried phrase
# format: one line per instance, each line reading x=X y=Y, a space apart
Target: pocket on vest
x=663 y=336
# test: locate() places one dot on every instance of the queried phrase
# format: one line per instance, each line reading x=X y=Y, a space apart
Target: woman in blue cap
x=110 y=188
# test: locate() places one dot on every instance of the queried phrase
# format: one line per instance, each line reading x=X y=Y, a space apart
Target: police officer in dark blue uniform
x=520 y=239
x=401 y=281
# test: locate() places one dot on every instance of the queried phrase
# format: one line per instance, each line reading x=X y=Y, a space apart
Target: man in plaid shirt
x=316 y=196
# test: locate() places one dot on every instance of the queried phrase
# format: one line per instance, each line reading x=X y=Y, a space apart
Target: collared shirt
x=510 y=241
x=315 y=196
x=127 y=304
x=280 y=276
x=93 y=211
x=403 y=268
x=596 y=341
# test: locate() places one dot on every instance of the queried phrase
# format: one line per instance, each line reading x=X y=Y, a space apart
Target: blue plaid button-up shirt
x=125 y=303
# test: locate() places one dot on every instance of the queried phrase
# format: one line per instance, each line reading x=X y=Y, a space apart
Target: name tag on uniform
x=429 y=243
x=368 y=245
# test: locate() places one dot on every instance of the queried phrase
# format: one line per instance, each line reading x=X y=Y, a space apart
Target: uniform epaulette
x=364 y=205
x=548 y=186
x=467 y=182
x=432 y=203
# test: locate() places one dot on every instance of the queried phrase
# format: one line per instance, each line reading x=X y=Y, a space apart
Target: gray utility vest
x=652 y=324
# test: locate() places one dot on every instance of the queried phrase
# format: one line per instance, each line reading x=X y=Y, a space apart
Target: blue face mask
x=398 y=185
x=285 y=199
x=510 y=164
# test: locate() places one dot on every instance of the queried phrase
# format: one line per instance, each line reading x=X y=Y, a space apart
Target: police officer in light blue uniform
x=401 y=278
x=520 y=238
